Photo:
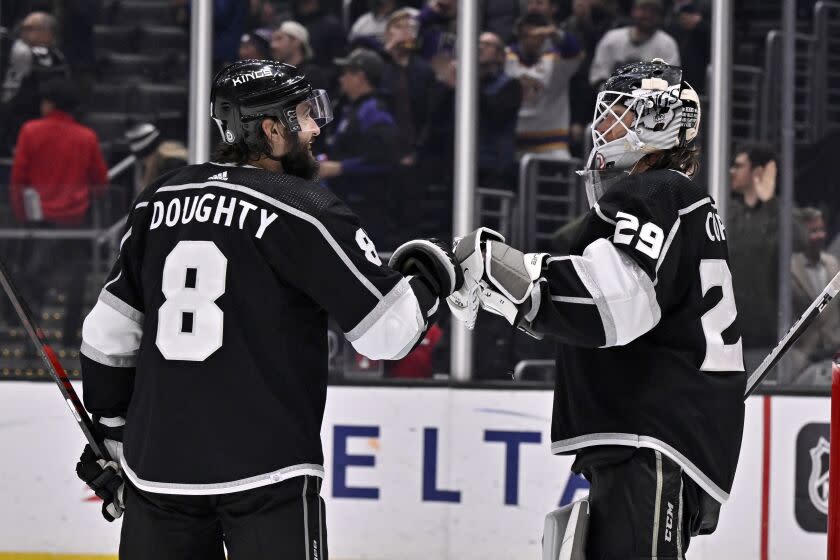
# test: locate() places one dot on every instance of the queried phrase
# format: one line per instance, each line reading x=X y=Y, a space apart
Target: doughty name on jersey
x=220 y=209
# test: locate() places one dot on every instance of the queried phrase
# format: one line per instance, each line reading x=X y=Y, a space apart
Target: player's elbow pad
x=394 y=326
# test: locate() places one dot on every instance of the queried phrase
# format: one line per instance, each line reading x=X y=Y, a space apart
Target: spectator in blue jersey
x=363 y=153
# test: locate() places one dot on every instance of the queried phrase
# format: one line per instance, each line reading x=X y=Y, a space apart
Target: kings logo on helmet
x=248 y=76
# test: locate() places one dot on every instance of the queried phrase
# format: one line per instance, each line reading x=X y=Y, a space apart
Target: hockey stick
x=36 y=335
x=793 y=334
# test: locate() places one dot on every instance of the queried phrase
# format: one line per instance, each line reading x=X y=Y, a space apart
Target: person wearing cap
x=290 y=44
x=363 y=153
x=255 y=44
x=644 y=40
x=155 y=155
x=58 y=167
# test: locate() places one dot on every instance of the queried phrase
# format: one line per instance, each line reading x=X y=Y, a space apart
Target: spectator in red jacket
x=58 y=164
x=57 y=167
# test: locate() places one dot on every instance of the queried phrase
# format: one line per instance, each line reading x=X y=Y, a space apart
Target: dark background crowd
x=86 y=83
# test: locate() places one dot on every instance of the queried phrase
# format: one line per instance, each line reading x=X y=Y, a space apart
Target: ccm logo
x=669 y=522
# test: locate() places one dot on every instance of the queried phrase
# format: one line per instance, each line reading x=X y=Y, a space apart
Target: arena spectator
x=290 y=44
x=752 y=234
x=255 y=44
x=499 y=17
x=694 y=38
x=56 y=192
x=34 y=59
x=812 y=269
x=500 y=97
x=437 y=29
x=544 y=116
x=546 y=8
x=373 y=22
x=407 y=78
x=155 y=155
x=363 y=151
x=589 y=21
x=326 y=33
x=643 y=40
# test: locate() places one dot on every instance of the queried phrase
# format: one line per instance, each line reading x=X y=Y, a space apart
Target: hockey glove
x=464 y=303
x=509 y=287
x=431 y=261
x=104 y=478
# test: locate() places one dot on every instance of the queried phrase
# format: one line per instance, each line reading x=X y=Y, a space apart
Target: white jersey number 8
x=190 y=324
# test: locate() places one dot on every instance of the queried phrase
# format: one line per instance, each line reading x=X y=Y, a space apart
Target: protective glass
x=315 y=111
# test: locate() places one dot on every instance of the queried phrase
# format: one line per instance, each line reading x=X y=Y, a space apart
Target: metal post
x=787 y=164
x=201 y=65
x=720 y=105
x=466 y=133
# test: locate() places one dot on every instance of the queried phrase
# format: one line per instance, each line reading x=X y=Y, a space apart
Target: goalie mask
x=248 y=91
x=644 y=107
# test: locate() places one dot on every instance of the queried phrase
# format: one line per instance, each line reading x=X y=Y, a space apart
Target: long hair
x=685 y=159
x=241 y=153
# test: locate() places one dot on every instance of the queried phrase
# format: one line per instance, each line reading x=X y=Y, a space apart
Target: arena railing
x=550 y=195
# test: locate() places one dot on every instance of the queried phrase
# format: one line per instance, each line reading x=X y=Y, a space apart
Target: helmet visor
x=315 y=111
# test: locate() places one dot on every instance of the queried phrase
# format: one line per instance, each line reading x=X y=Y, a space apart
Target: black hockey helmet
x=248 y=91
x=630 y=77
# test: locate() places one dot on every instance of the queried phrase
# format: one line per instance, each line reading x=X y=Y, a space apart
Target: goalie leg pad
x=565 y=532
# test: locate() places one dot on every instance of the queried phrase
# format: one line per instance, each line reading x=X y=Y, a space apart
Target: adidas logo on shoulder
x=219 y=177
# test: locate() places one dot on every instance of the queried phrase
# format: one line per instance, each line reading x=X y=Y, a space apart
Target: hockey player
x=205 y=357
x=650 y=376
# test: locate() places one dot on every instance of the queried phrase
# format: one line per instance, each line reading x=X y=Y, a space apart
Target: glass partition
x=122 y=71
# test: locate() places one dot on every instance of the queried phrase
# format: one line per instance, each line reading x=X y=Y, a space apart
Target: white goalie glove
x=497 y=278
x=469 y=256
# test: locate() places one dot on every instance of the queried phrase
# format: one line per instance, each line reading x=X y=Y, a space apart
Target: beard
x=300 y=162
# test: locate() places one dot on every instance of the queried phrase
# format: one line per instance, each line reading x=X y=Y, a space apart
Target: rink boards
x=420 y=473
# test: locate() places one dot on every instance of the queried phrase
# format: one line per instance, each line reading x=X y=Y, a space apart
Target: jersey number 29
x=190 y=324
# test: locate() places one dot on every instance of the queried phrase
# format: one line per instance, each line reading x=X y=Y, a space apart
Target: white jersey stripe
x=657 y=505
x=634 y=440
x=289 y=210
x=602 y=215
x=184 y=489
x=305 y=517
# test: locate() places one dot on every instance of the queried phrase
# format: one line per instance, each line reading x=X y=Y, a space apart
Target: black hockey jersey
x=650 y=348
x=209 y=339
